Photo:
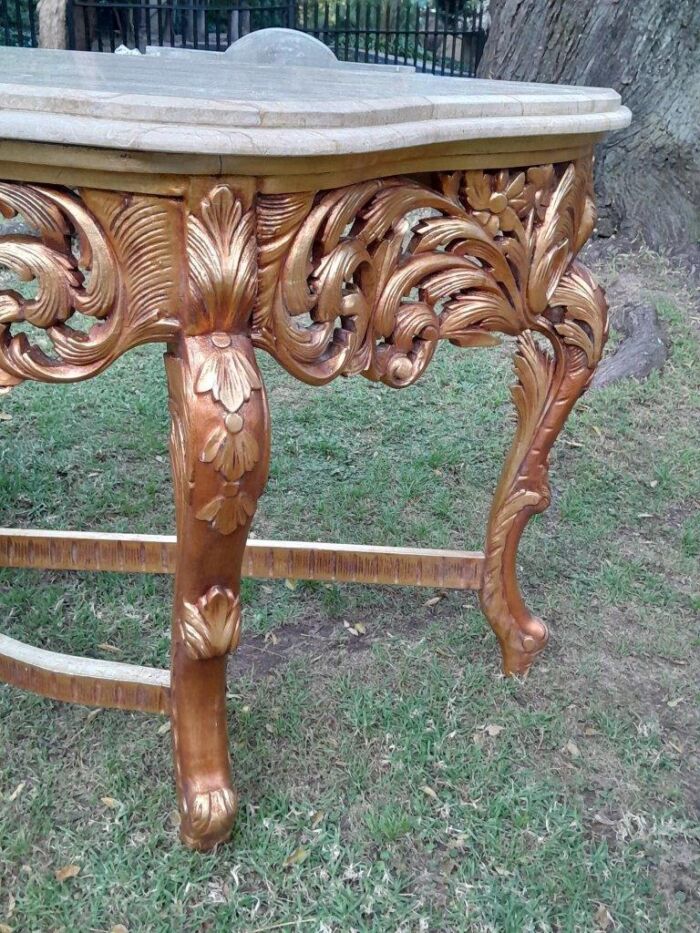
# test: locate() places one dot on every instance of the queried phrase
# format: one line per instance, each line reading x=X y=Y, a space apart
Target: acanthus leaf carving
x=548 y=386
x=367 y=278
x=583 y=325
x=142 y=230
x=56 y=276
x=211 y=627
x=222 y=262
x=89 y=255
x=362 y=279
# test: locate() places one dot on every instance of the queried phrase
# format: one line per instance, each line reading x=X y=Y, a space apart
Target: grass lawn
x=390 y=780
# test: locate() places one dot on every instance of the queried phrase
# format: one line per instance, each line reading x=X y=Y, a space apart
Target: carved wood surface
x=220 y=430
x=362 y=279
x=110 y=258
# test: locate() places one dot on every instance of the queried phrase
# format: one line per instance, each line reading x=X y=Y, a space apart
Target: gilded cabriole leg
x=220 y=454
x=547 y=389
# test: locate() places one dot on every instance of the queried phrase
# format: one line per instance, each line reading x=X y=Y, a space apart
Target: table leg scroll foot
x=549 y=383
x=220 y=454
x=208 y=801
x=209 y=817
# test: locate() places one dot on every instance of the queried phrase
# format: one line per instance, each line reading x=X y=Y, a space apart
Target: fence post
x=70 y=24
x=291 y=14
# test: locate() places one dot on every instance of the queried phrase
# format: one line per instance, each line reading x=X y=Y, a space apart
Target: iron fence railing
x=18 y=22
x=446 y=38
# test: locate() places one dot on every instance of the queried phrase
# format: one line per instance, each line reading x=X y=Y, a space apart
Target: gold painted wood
x=272 y=560
x=335 y=267
x=75 y=550
x=169 y=174
x=360 y=280
x=220 y=449
x=111 y=258
x=84 y=680
x=353 y=563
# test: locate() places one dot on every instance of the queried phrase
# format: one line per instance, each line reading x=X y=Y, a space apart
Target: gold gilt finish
x=361 y=279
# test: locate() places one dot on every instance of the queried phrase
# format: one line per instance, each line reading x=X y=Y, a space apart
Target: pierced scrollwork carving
x=368 y=278
x=364 y=279
x=105 y=256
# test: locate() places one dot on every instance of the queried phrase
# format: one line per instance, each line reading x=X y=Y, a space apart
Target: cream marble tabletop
x=216 y=105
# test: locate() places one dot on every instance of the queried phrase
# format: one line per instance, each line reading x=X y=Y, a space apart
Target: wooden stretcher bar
x=84 y=680
x=128 y=686
x=342 y=563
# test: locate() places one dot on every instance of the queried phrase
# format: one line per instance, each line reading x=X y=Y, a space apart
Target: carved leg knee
x=220 y=454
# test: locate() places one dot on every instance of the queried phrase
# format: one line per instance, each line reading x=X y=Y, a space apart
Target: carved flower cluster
x=211 y=627
x=231 y=448
x=501 y=199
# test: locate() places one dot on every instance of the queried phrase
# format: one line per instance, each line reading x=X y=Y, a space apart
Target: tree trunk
x=52 y=24
x=648 y=50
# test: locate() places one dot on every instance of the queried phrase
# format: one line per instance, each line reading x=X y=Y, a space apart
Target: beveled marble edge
x=283 y=142
x=298 y=114
x=289 y=115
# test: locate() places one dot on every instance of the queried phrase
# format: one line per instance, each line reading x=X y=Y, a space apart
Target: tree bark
x=648 y=176
x=52 y=24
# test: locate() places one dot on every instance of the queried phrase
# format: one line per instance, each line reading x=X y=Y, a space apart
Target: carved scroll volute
x=109 y=257
x=308 y=267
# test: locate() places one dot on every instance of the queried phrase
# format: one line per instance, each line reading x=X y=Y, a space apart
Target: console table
x=342 y=219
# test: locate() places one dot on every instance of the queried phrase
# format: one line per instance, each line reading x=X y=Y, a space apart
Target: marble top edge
x=359 y=111
x=170 y=104
x=291 y=143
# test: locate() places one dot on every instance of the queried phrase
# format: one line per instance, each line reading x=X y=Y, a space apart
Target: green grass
x=375 y=793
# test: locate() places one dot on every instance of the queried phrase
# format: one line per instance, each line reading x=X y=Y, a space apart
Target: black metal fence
x=18 y=22
x=446 y=38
